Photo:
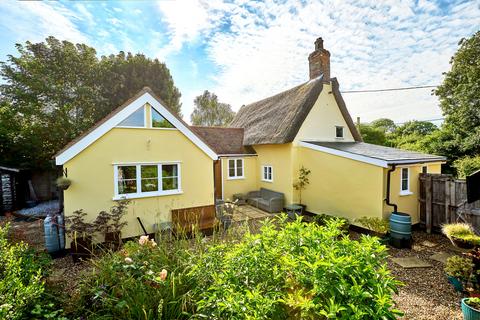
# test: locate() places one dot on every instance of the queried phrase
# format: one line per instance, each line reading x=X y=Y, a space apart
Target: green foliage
x=209 y=112
x=458 y=267
x=302 y=181
x=287 y=271
x=474 y=303
x=467 y=165
x=384 y=124
x=21 y=278
x=459 y=96
x=372 y=135
x=375 y=224
x=55 y=90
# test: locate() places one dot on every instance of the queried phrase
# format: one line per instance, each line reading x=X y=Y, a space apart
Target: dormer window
x=339 y=132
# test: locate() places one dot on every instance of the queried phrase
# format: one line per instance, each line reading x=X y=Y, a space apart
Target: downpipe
x=387 y=199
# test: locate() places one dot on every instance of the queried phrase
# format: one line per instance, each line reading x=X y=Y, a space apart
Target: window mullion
x=160 y=177
x=139 y=178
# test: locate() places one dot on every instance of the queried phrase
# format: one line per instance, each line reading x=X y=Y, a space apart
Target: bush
x=458 y=267
x=375 y=224
x=21 y=278
x=466 y=166
x=287 y=271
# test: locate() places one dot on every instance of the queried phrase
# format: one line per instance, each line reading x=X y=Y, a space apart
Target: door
x=217 y=177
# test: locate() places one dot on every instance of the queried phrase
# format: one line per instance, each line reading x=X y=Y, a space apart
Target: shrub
x=374 y=224
x=461 y=231
x=21 y=277
x=466 y=166
x=459 y=267
x=474 y=303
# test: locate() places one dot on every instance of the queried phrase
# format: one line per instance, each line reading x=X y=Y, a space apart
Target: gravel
x=426 y=293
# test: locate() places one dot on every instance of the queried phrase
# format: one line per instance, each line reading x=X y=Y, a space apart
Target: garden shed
x=11 y=191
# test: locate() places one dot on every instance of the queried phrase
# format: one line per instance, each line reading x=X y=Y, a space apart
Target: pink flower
x=128 y=260
x=143 y=240
x=163 y=275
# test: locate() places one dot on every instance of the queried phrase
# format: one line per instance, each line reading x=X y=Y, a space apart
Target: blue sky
x=245 y=51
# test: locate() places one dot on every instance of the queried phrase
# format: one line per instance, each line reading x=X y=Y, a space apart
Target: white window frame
x=235 y=177
x=343 y=132
x=407 y=191
x=139 y=193
x=267 y=166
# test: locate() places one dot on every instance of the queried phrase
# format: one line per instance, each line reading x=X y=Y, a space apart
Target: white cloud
x=372 y=44
x=36 y=20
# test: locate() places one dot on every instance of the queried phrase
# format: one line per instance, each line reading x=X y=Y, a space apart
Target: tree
x=384 y=124
x=372 y=135
x=415 y=127
x=459 y=96
x=55 y=90
x=209 y=112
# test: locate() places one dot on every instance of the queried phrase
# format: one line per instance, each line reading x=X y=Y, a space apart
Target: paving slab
x=411 y=262
x=429 y=244
x=418 y=248
x=441 y=256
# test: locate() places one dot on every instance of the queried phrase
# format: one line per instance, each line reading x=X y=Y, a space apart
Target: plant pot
x=469 y=313
x=460 y=243
x=304 y=208
x=456 y=283
x=81 y=249
x=113 y=240
x=226 y=221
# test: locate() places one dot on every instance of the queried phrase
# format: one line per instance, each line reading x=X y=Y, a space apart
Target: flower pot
x=469 y=313
x=81 y=249
x=456 y=283
x=226 y=221
x=460 y=243
x=113 y=240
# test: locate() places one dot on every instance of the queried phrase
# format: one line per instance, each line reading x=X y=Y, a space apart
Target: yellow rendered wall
x=322 y=119
x=407 y=203
x=340 y=186
x=92 y=175
x=244 y=185
x=280 y=157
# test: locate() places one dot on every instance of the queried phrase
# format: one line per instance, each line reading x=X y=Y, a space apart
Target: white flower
x=143 y=240
x=128 y=260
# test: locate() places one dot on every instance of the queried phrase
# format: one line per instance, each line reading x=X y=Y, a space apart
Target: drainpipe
x=387 y=199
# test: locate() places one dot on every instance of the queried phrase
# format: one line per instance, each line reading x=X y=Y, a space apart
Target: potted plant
x=461 y=235
x=81 y=235
x=471 y=308
x=113 y=234
x=228 y=209
x=63 y=183
x=459 y=270
x=301 y=184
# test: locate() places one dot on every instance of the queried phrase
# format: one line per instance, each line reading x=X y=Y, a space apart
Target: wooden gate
x=443 y=199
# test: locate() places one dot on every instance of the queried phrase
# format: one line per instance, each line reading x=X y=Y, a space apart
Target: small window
x=424 y=169
x=339 y=132
x=147 y=179
x=405 y=184
x=267 y=173
x=235 y=168
x=158 y=121
x=136 y=119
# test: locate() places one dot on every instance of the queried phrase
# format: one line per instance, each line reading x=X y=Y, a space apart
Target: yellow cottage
x=143 y=152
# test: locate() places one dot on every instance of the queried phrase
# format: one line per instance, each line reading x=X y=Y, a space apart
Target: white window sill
x=146 y=194
x=339 y=138
x=270 y=181
x=406 y=193
x=235 y=178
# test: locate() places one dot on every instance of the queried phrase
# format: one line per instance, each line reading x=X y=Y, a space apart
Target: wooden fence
x=443 y=199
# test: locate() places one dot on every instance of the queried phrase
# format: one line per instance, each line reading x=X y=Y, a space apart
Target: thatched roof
x=277 y=119
x=224 y=141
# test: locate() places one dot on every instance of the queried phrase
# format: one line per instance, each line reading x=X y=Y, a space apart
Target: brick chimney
x=319 y=61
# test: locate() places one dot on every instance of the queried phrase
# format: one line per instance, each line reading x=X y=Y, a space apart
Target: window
x=158 y=121
x=141 y=180
x=136 y=119
x=339 y=132
x=235 y=168
x=267 y=173
x=424 y=169
x=405 y=183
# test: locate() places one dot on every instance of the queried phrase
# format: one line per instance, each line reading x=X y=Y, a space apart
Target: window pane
x=149 y=185
x=231 y=172
x=269 y=173
x=127 y=172
x=170 y=183
x=404 y=173
x=404 y=185
x=127 y=186
x=150 y=171
x=339 y=132
x=136 y=119
x=158 y=121
x=169 y=170
x=239 y=167
x=265 y=173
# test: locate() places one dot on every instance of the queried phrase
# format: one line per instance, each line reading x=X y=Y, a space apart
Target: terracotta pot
x=81 y=248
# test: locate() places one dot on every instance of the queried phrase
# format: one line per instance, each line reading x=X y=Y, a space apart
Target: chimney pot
x=319 y=61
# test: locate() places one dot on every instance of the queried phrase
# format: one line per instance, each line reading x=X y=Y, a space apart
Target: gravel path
x=426 y=293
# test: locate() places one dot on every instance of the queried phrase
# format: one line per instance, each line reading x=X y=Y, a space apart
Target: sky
x=245 y=51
